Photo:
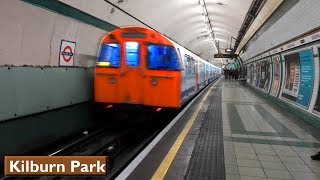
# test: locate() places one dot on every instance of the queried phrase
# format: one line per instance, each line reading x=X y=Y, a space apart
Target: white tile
x=268 y=158
x=266 y=151
x=309 y=161
x=306 y=154
x=244 y=149
x=256 y=137
x=291 y=139
x=272 y=165
x=249 y=171
x=248 y=163
x=297 y=167
x=314 y=168
x=240 y=135
x=303 y=149
x=279 y=174
x=286 y=152
x=231 y=169
x=262 y=146
x=291 y=160
x=274 y=138
x=232 y=177
x=304 y=176
x=281 y=147
x=241 y=144
x=247 y=156
x=252 y=178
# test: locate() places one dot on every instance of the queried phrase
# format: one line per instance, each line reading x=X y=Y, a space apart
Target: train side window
x=186 y=64
x=109 y=55
x=190 y=64
x=132 y=54
x=181 y=61
x=193 y=66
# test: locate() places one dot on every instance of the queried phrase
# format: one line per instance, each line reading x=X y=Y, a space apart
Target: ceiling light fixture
x=204 y=12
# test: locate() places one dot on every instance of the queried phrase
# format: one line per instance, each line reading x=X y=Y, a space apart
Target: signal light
x=158 y=109
x=109 y=106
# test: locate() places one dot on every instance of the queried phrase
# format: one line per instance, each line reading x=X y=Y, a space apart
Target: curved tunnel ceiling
x=182 y=21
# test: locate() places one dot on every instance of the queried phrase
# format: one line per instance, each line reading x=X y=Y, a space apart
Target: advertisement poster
x=264 y=75
x=254 y=73
x=298 y=77
x=257 y=74
x=276 y=76
x=317 y=105
x=249 y=73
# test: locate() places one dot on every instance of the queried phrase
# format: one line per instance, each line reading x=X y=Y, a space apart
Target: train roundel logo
x=67 y=53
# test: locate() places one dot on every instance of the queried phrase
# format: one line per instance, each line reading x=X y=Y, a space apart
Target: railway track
x=121 y=143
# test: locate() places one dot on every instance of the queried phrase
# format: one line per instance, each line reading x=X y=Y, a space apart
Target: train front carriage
x=137 y=66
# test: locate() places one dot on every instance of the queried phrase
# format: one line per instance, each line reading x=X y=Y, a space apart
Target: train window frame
x=138 y=54
x=169 y=46
x=188 y=64
x=181 y=62
x=105 y=63
x=193 y=69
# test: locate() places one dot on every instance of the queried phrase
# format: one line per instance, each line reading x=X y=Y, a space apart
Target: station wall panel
x=31 y=80
x=295 y=80
x=29 y=90
x=32 y=35
x=299 y=19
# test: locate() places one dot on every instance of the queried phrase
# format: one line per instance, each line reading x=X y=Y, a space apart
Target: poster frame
x=306 y=108
x=316 y=81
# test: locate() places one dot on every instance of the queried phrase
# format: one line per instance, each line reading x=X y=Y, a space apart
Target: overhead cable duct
x=252 y=13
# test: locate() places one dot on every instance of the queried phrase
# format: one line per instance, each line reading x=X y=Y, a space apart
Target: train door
x=205 y=74
x=131 y=75
x=197 y=75
x=202 y=75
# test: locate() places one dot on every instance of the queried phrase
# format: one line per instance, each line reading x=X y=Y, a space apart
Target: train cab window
x=161 y=57
x=109 y=55
x=132 y=54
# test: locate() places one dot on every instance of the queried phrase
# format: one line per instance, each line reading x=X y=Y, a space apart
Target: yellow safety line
x=165 y=164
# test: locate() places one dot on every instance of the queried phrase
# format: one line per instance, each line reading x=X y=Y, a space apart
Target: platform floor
x=263 y=141
x=230 y=133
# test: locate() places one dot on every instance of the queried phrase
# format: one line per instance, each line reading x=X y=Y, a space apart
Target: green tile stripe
x=273 y=122
x=271 y=142
x=306 y=116
x=74 y=13
x=234 y=118
x=272 y=134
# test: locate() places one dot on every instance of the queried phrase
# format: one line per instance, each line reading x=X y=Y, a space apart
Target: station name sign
x=225 y=55
x=55 y=165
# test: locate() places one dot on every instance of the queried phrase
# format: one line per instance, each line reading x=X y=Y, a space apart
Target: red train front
x=137 y=66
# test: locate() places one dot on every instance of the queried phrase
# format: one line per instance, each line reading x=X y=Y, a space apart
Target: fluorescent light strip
x=206 y=20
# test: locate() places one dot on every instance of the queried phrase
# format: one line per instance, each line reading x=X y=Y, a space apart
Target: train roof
x=150 y=35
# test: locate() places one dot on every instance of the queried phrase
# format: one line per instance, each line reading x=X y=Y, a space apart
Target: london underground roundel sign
x=67 y=52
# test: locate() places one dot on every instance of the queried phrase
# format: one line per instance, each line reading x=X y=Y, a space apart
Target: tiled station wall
x=31 y=80
x=283 y=61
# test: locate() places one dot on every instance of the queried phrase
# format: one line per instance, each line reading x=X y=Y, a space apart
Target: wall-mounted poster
x=254 y=73
x=276 y=76
x=249 y=73
x=264 y=75
x=298 y=80
x=317 y=105
x=257 y=74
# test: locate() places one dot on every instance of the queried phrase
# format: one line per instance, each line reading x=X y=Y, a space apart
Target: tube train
x=138 y=66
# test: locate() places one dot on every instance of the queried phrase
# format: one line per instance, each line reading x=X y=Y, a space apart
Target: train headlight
x=112 y=80
x=154 y=82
